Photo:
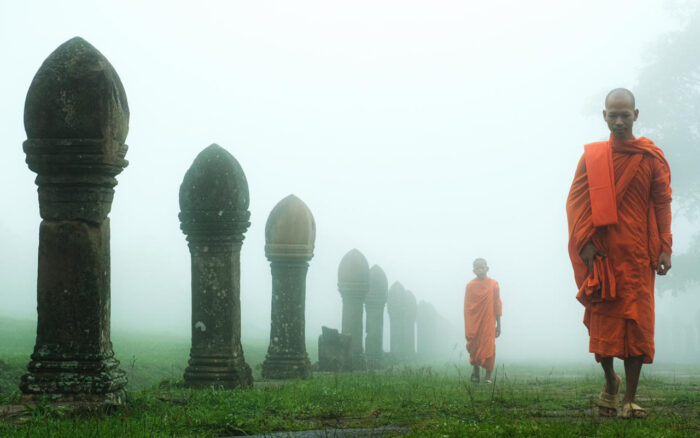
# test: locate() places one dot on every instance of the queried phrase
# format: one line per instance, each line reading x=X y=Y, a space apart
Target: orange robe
x=618 y=294
x=482 y=304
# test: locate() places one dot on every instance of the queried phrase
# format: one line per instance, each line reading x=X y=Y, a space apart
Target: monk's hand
x=664 y=264
x=498 y=330
x=588 y=254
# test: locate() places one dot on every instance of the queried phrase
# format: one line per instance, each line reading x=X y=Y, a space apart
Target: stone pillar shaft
x=286 y=355
x=216 y=356
x=73 y=354
x=395 y=334
x=375 y=332
x=352 y=322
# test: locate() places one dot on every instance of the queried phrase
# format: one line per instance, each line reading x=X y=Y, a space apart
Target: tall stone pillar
x=426 y=331
x=353 y=284
x=76 y=117
x=289 y=244
x=395 y=308
x=374 y=308
x=214 y=216
x=410 y=325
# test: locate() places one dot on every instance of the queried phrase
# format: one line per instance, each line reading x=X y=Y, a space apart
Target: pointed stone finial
x=214 y=192
x=76 y=94
x=290 y=231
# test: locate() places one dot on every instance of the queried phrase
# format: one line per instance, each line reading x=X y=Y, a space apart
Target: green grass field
x=433 y=401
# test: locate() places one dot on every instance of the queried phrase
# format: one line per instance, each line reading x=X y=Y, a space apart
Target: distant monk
x=482 y=320
x=619 y=211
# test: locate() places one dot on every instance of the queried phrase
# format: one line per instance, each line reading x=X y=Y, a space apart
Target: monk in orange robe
x=482 y=320
x=619 y=214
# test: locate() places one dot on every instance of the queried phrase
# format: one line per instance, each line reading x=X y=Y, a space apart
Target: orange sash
x=601 y=183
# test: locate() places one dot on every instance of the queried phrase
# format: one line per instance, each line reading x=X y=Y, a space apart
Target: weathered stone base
x=359 y=362
x=375 y=362
x=282 y=367
x=79 y=402
x=227 y=373
x=98 y=382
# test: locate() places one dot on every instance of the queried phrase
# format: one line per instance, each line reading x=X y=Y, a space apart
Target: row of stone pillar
x=76 y=118
x=358 y=285
x=214 y=215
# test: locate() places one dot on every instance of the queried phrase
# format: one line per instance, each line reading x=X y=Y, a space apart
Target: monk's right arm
x=661 y=197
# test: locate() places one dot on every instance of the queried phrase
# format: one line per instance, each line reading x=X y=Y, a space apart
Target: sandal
x=474 y=378
x=607 y=403
x=632 y=410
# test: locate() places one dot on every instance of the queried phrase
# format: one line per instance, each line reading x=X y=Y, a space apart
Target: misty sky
x=423 y=133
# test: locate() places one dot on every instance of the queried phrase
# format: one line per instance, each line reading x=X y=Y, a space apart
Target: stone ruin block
x=334 y=350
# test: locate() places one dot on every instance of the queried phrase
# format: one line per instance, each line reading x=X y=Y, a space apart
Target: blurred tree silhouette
x=669 y=87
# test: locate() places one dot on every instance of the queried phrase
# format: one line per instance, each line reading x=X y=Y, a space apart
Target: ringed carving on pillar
x=290 y=234
x=214 y=215
x=76 y=117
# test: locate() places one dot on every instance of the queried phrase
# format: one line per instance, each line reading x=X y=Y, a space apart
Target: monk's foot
x=488 y=379
x=632 y=410
x=475 y=377
x=609 y=400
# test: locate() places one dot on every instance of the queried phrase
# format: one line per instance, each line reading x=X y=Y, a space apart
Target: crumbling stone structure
x=289 y=244
x=374 y=308
x=353 y=284
x=76 y=117
x=214 y=215
x=334 y=351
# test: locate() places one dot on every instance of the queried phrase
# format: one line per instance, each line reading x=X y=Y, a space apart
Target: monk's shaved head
x=480 y=267
x=620 y=92
x=479 y=260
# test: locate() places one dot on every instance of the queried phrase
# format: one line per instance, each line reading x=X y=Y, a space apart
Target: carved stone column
x=353 y=284
x=395 y=308
x=410 y=325
x=214 y=216
x=289 y=244
x=374 y=307
x=76 y=117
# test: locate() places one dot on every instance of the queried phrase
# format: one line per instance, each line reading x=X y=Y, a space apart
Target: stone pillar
x=426 y=331
x=76 y=117
x=289 y=244
x=214 y=216
x=395 y=309
x=353 y=284
x=410 y=325
x=374 y=308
